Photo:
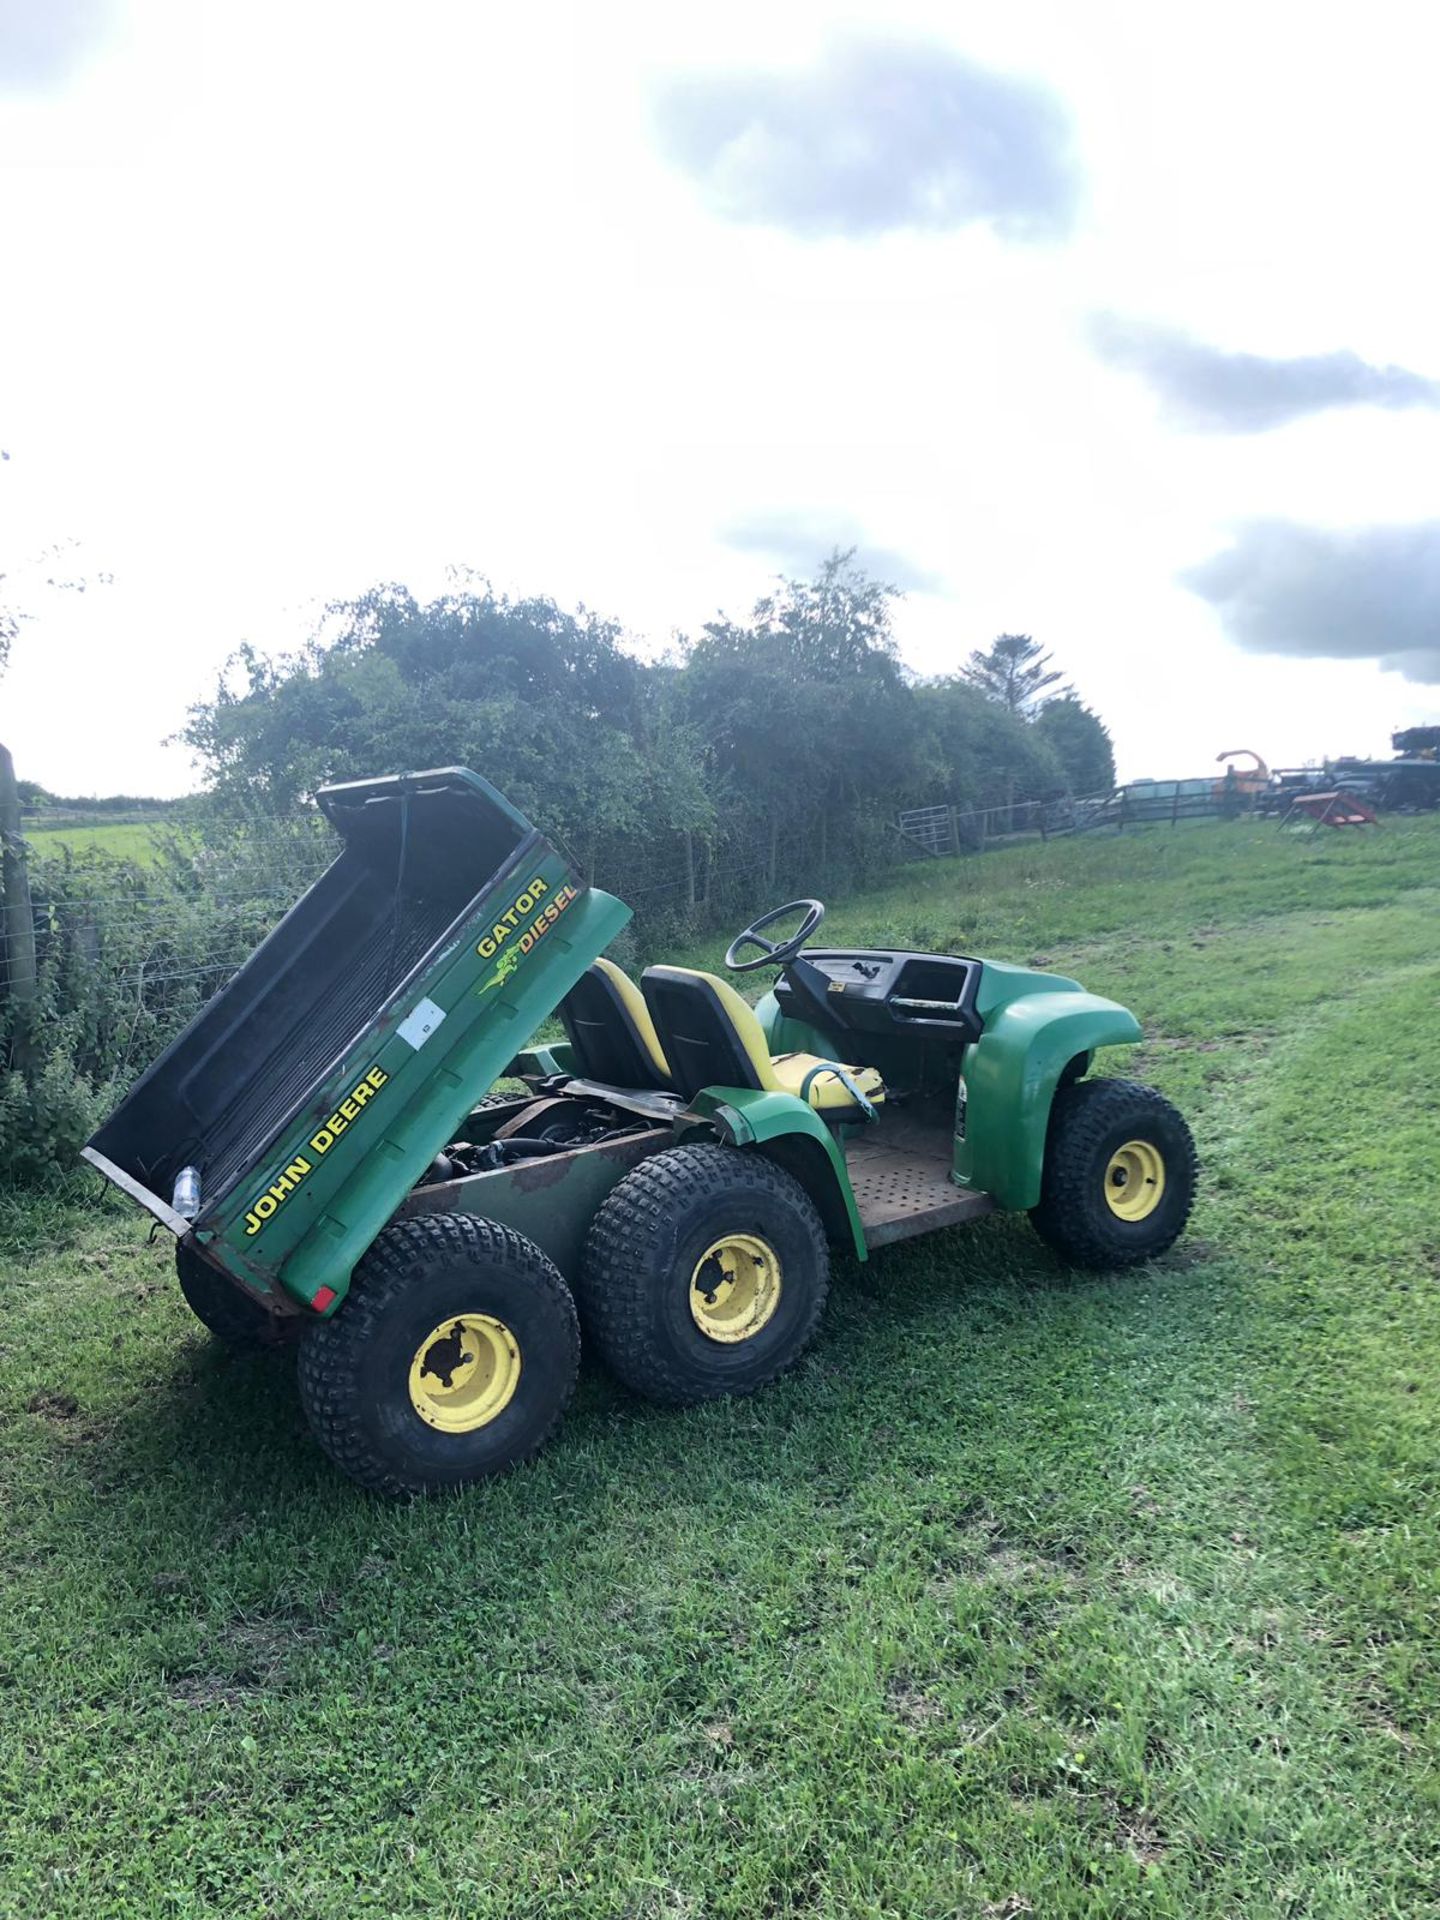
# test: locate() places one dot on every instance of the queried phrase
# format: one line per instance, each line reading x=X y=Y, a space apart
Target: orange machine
x=1242 y=783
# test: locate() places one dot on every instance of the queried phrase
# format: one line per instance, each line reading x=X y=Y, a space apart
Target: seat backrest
x=611 y=1031
x=710 y=1035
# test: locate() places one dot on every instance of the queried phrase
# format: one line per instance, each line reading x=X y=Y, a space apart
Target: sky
x=1118 y=325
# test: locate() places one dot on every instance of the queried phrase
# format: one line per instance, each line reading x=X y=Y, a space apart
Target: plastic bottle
x=186 y=1198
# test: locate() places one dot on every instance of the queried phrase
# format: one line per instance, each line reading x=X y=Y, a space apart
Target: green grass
x=124 y=841
x=1029 y=1591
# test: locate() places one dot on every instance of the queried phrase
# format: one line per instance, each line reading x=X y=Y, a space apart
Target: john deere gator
x=667 y=1185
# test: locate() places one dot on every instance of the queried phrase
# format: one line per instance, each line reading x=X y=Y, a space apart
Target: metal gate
x=931 y=828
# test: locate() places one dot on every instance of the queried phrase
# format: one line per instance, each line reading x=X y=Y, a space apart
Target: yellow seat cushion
x=785 y=1072
x=827 y=1091
x=633 y=1002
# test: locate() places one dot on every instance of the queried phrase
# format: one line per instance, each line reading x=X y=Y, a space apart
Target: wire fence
x=112 y=955
x=142 y=928
x=104 y=958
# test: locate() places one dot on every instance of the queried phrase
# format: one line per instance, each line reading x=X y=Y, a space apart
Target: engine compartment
x=533 y=1129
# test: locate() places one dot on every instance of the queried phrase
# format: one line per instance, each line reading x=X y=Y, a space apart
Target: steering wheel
x=775 y=954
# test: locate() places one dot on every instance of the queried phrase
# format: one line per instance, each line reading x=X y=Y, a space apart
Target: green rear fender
x=1009 y=1080
x=790 y=1132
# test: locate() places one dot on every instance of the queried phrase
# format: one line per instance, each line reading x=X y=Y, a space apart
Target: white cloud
x=1216 y=391
x=876 y=135
x=1360 y=593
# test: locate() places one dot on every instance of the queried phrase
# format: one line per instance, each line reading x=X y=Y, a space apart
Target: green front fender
x=1009 y=1080
x=792 y=1134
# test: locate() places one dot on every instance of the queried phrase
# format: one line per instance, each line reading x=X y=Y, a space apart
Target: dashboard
x=880 y=990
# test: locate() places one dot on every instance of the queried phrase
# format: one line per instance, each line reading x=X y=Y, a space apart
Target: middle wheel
x=705 y=1273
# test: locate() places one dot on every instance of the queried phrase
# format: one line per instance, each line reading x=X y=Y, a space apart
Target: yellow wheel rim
x=735 y=1287
x=465 y=1373
x=1134 y=1180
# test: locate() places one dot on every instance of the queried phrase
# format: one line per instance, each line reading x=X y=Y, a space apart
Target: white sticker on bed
x=420 y=1023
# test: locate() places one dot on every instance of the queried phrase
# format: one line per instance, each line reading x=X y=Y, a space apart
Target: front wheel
x=705 y=1274
x=1119 y=1177
x=453 y=1357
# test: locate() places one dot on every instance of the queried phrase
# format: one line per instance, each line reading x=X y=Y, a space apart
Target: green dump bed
x=314 y=1089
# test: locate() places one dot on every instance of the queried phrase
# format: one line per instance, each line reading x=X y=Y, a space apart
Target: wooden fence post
x=17 y=923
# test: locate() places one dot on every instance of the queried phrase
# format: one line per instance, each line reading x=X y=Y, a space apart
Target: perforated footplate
x=900 y=1194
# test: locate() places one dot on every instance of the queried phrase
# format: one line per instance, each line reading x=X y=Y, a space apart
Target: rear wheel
x=1119 y=1176
x=705 y=1274
x=216 y=1301
x=453 y=1357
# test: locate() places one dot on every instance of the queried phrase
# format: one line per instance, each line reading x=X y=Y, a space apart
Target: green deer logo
x=505 y=966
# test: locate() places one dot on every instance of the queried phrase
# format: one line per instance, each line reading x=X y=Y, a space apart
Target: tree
x=809 y=717
x=1014 y=672
x=769 y=752
x=548 y=703
x=1081 y=742
x=991 y=757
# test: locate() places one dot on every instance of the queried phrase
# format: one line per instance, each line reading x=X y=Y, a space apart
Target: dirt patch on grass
x=911 y=1705
x=723 y=1770
x=1009 y=1566
x=52 y=1405
x=1188 y=1254
x=201 y=1690
x=249 y=1657
x=1141 y=1836
x=263 y=1648
x=235 y=1527
x=1165 y=1587
x=992 y=1560
x=665 y=1903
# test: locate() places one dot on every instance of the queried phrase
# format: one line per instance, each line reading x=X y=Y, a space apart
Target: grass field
x=125 y=840
x=1028 y=1592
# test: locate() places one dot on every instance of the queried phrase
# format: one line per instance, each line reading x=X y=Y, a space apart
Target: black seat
x=712 y=1038
x=611 y=1031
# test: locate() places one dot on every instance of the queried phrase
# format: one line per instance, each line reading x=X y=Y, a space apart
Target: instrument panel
x=877 y=990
